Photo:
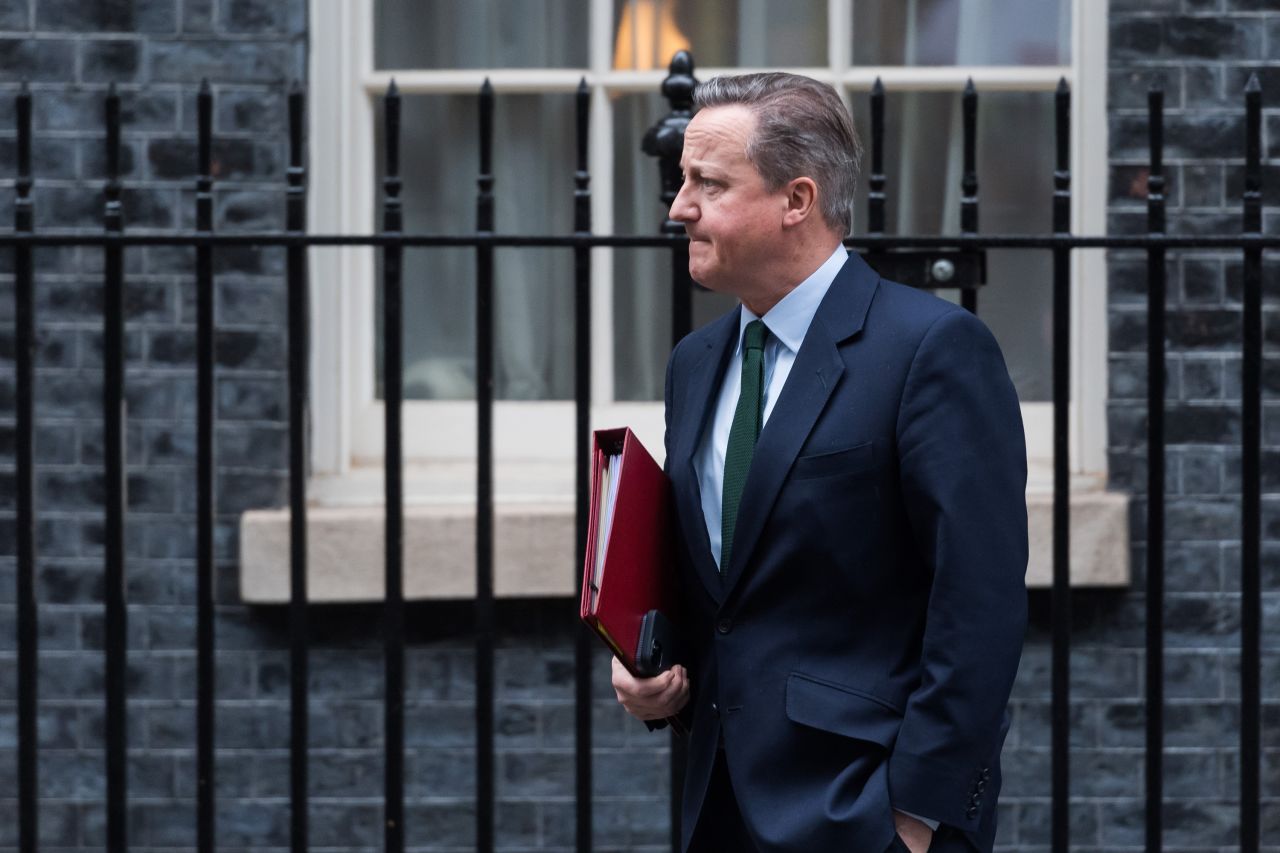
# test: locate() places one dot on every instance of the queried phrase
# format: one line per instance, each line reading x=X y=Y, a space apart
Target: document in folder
x=629 y=594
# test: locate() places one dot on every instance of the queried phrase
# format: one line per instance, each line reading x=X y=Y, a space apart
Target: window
x=535 y=52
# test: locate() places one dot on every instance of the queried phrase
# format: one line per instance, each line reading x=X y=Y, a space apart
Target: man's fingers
x=650 y=698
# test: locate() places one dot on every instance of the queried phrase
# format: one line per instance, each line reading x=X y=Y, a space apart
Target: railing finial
x=665 y=140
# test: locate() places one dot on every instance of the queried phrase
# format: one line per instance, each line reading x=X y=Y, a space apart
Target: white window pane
x=533 y=288
x=961 y=32
x=720 y=34
x=923 y=167
x=480 y=33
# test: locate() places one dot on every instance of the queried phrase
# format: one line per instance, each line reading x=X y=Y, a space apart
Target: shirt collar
x=789 y=320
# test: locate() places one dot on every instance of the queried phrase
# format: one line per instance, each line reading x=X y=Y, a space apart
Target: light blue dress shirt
x=788 y=323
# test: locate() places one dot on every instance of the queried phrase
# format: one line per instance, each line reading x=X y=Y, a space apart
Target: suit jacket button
x=971 y=812
x=715 y=709
x=725 y=625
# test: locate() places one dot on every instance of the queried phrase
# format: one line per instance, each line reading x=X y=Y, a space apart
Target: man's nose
x=681 y=209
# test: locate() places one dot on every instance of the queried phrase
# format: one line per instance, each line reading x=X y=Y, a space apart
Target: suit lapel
x=700 y=396
x=817 y=369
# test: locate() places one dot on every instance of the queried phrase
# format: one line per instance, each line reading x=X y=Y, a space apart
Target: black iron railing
x=951 y=261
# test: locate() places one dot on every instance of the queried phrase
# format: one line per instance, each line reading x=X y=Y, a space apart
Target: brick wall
x=1202 y=54
x=158 y=50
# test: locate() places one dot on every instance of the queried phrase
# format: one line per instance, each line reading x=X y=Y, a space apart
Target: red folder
x=629 y=568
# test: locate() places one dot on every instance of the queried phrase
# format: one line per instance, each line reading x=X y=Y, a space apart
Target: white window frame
x=346 y=448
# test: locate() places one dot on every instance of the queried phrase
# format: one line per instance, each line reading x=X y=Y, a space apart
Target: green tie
x=742 y=435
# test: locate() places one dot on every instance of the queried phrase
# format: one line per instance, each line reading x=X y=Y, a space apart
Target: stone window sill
x=533 y=539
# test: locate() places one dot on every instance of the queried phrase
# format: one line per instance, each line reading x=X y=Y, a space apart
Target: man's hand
x=651 y=698
x=915 y=834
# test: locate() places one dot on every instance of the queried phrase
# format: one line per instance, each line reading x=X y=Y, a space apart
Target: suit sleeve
x=962 y=463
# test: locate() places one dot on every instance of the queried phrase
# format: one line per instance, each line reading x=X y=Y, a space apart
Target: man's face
x=733 y=221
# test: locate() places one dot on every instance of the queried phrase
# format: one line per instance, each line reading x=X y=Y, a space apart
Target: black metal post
x=665 y=140
x=113 y=432
x=969 y=181
x=583 y=643
x=393 y=473
x=205 y=507
x=1251 y=485
x=1155 y=476
x=485 y=619
x=296 y=275
x=875 y=182
x=1061 y=678
x=24 y=362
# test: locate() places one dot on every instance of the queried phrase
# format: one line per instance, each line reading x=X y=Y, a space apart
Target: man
x=849 y=471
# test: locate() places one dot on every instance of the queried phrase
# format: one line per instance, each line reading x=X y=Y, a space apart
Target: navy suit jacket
x=858 y=652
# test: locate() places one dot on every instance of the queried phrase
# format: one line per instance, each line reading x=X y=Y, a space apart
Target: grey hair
x=802 y=130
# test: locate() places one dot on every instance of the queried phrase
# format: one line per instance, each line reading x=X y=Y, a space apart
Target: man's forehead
x=718 y=135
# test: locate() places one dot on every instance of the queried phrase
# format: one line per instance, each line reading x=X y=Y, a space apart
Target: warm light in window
x=647 y=35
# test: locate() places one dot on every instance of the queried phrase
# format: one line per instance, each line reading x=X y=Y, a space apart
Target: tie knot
x=753 y=335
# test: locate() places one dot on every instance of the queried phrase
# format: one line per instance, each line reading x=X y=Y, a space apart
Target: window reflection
x=480 y=33
x=747 y=33
x=962 y=32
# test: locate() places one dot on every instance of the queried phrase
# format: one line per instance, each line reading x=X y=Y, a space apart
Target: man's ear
x=802 y=200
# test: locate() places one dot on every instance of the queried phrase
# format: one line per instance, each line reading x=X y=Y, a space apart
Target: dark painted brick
x=241 y=350
x=82 y=110
x=1203 y=87
x=349 y=725
x=355 y=826
x=242 y=302
x=537 y=774
x=262 y=448
x=1128 y=186
x=144 y=16
x=36 y=60
x=15 y=14
x=250 y=260
x=258 y=17
x=1236 y=77
x=255 y=210
x=244 y=491
x=252 y=824
x=93 y=160
x=448 y=825
x=116 y=60
x=251 y=398
x=68 y=207
x=1270 y=175
x=1202 y=280
x=343 y=774
x=251 y=110
x=1201 y=185
x=233 y=159
x=1203 y=135
x=50 y=158
x=1135 y=38
x=1212 y=37
x=227 y=61
x=1127 y=87
x=197 y=16
x=1202 y=379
